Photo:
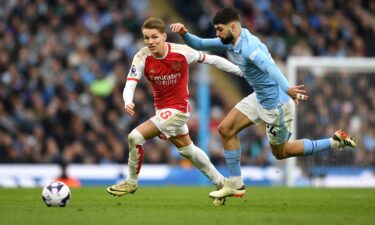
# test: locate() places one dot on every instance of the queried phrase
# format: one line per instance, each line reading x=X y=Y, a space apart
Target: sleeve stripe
x=135 y=79
x=204 y=57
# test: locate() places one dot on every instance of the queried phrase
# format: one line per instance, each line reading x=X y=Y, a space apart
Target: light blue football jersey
x=256 y=63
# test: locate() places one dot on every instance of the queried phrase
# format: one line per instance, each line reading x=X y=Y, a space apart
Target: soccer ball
x=56 y=194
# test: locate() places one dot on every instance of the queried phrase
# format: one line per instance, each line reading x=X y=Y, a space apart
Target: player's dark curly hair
x=225 y=16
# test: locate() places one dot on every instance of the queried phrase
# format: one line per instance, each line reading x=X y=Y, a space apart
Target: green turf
x=190 y=205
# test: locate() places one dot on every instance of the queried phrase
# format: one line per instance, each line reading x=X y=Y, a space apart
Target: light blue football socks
x=312 y=147
x=233 y=159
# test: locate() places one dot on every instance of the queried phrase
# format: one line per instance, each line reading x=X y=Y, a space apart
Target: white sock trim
x=187 y=151
x=334 y=143
x=236 y=182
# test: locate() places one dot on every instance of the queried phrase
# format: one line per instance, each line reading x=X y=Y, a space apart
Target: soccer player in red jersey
x=165 y=65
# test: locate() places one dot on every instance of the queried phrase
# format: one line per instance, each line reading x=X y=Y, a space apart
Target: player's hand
x=178 y=28
x=129 y=108
x=298 y=93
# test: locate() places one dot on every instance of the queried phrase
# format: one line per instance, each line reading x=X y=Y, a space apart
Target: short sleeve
x=190 y=54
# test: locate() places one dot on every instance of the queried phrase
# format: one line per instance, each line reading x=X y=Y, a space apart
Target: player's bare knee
x=225 y=131
x=136 y=138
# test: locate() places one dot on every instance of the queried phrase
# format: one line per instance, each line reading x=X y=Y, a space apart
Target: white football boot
x=228 y=190
x=219 y=201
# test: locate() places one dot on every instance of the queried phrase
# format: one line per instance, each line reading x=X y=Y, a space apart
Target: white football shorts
x=171 y=122
x=278 y=121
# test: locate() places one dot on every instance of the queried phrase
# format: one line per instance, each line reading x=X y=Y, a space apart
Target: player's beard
x=228 y=39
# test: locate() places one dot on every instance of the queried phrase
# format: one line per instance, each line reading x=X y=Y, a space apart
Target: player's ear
x=165 y=36
x=232 y=26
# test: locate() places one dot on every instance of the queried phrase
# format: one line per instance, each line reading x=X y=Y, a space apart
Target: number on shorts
x=165 y=114
x=271 y=129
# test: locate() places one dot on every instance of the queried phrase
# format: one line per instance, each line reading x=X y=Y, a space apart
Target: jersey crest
x=176 y=65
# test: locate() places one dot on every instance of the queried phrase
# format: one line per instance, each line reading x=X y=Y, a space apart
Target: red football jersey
x=168 y=75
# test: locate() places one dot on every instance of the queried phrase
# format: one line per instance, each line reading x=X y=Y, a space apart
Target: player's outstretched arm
x=195 y=41
x=222 y=64
x=267 y=65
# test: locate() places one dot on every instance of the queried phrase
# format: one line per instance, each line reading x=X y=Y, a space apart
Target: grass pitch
x=190 y=205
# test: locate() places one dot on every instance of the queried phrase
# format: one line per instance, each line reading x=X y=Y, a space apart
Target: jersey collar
x=237 y=47
x=166 y=52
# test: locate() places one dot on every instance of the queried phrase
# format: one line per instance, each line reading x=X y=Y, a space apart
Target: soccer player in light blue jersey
x=271 y=103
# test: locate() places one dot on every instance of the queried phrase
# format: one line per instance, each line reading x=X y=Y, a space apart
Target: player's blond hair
x=154 y=23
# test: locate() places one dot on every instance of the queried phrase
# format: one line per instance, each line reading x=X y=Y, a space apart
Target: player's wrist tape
x=301 y=96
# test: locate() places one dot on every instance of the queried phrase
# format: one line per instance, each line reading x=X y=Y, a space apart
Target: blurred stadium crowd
x=341 y=99
x=63 y=65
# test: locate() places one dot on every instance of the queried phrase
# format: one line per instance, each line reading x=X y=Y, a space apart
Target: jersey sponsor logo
x=169 y=79
x=254 y=53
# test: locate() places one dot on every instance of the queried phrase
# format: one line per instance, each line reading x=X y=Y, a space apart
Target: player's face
x=155 y=41
x=224 y=33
